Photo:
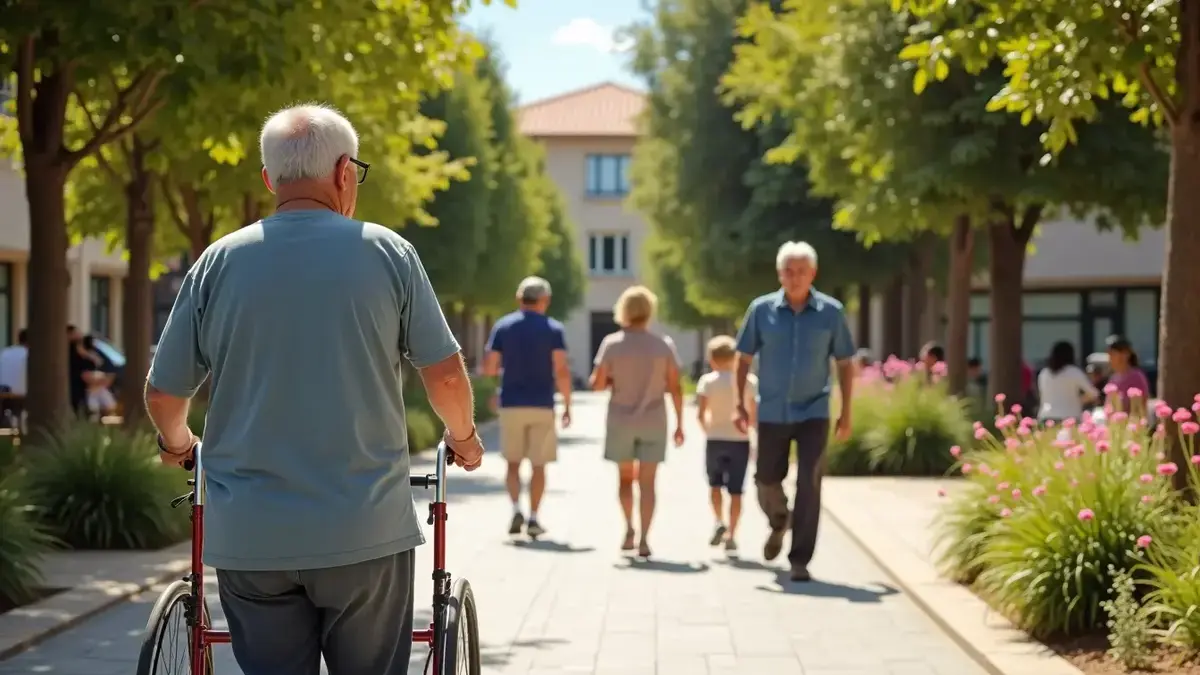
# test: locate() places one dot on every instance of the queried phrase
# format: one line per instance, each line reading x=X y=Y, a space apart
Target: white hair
x=795 y=250
x=305 y=141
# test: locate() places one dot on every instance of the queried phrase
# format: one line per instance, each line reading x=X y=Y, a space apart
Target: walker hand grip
x=190 y=463
x=449 y=453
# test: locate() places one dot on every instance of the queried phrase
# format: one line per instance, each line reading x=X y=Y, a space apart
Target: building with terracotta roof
x=588 y=135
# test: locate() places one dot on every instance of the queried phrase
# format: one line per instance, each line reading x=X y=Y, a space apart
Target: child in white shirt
x=727 y=451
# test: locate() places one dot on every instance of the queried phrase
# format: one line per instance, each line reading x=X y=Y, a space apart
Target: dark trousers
x=774 y=450
x=358 y=617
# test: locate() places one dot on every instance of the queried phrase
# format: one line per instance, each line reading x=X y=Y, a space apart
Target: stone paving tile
x=572 y=603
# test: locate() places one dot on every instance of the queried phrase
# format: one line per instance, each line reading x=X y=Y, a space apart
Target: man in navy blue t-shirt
x=529 y=352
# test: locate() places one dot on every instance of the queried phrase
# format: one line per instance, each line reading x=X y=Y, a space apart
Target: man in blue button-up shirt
x=795 y=332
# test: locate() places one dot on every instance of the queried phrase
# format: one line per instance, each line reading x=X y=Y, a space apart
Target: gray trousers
x=774 y=451
x=359 y=617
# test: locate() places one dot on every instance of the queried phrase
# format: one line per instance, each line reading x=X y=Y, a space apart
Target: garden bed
x=1090 y=654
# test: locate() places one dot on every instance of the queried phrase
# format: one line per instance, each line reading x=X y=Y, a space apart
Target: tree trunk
x=200 y=225
x=1178 y=367
x=958 y=306
x=1007 y=242
x=863 y=318
x=251 y=209
x=893 y=318
x=137 y=299
x=916 y=295
x=47 y=400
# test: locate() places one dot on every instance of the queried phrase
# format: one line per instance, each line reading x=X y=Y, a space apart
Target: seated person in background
x=100 y=399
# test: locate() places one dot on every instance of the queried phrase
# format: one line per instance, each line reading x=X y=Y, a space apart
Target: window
x=6 y=305
x=101 y=310
x=608 y=254
x=8 y=92
x=1141 y=323
x=607 y=175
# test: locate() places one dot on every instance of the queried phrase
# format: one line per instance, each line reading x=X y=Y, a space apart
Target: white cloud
x=589 y=33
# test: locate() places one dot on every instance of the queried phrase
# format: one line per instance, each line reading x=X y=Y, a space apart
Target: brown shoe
x=800 y=573
x=774 y=544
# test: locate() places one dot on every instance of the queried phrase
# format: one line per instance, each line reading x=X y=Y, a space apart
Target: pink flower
x=1087 y=514
x=955 y=451
x=941 y=492
x=1110 y=389
x=1016 y=409
x=1049 y=424
x=1167 y=469
x=1002 y=486
x=1134 y=449
x=1005 y=512
x=977 y=425
x=1058 y=466
x=1074 y=482
x=1005 y=421
x=1146 y=499
x=1133 y=392
x=1000 y=398
x=1189 y=428
x=1196 y=398
x=1162 y=411
x=1069 y=422
x=1196 y=406
x=1102 y=447
x=939 y=369
x=981 y=434
x=1195 y=459
x=1012 y=443
x=1182 y=415
x=1119 y=417
x=1146 y=478
x=1144 y=541
x=1016 y=494
x=1039 y=491
x=966 y=469
x=993 y=499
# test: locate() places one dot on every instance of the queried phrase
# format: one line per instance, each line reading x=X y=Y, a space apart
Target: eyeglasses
x=363 y=168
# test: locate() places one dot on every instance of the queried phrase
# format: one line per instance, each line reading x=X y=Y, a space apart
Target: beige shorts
x=528 y=433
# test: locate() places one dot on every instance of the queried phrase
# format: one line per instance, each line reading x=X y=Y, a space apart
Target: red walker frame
x=204 y=635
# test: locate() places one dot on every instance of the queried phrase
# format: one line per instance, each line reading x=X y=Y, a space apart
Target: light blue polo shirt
x=794 y=350
x=302 y=320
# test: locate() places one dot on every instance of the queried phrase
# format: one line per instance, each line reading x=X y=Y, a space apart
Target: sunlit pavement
x=574 y=603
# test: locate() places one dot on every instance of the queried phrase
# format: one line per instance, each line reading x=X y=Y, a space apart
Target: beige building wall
x=566 y=162
x=84 y=261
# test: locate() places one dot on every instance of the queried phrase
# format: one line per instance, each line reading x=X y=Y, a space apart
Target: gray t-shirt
x=637 y=362
x=302 y=320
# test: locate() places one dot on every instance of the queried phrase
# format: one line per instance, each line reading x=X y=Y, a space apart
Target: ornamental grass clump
x=1053 y=514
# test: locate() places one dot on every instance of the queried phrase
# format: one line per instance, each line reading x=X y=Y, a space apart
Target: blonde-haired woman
x=640 y=368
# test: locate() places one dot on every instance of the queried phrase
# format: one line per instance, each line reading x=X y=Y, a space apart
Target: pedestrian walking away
x=795 y=332
x=309 y=519
x=528 y=351
x=727 y=449
x=640 y=368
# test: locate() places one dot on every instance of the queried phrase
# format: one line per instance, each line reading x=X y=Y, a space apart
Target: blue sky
x=552 y=46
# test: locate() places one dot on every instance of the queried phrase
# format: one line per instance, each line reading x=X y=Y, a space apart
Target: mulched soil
x=1089 y=655
x=42 y=594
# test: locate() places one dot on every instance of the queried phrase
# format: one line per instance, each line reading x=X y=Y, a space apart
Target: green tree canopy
x=901 y=158
x=700 y=177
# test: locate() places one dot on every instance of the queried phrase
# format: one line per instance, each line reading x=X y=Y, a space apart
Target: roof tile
x=604 y=109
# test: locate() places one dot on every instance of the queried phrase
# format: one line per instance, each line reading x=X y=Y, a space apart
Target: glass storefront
x=1083 y=317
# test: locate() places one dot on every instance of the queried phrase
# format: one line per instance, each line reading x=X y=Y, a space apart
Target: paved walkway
x=572 y=603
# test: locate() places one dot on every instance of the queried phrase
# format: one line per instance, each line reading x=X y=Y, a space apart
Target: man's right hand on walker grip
x=468 y=452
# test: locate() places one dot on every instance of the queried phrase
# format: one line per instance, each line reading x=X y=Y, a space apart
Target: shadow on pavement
x=828 y=589
x=655 y=565
x=549 y=545
x=501 y=655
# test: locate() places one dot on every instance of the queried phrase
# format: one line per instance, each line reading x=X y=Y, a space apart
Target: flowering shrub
x=1052 y=515
x=903 y=422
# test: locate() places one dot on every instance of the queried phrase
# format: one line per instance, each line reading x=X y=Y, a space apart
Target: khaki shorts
x=625 y=443
x=528 y=433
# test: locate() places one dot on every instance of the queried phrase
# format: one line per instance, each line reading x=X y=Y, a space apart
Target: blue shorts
x=726 y=463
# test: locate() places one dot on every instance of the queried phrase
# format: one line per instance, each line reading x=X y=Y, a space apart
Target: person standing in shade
x=640 y=368
x=528 y=350
x=795 y=332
